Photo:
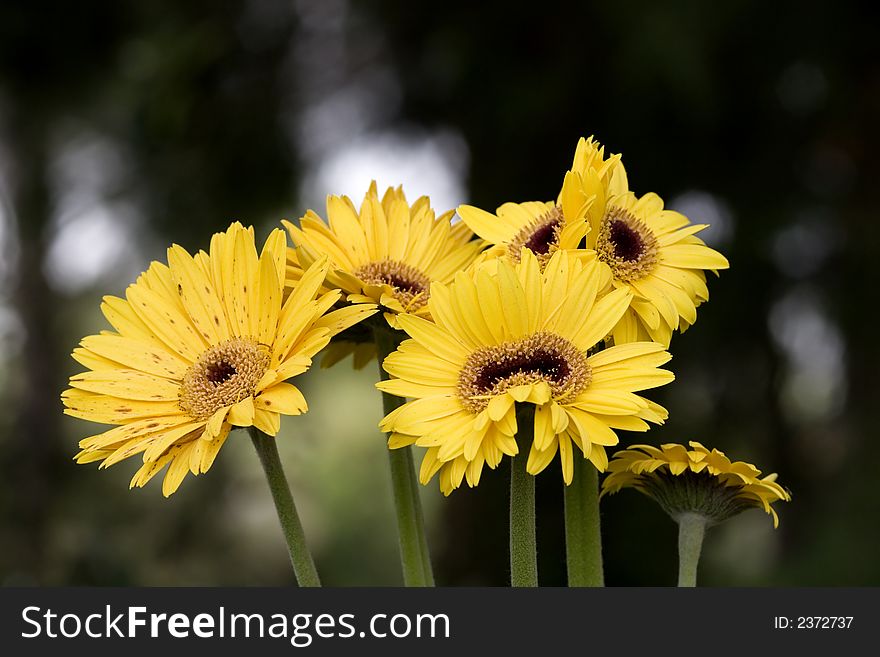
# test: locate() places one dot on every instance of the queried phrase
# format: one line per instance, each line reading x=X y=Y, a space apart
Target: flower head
x=510 y=336
x=388 y=252
x=694 y=481
x=199 y=346
x=643 y=247
x=546 y=227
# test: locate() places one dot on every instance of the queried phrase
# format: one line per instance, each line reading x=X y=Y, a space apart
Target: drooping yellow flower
x=199 y=346
x=645 y=248
x=509 y=335
x=694 y=481
x=546 y=227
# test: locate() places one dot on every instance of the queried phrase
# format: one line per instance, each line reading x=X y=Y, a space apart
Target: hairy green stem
x=583 y=538
x=291 y=527
x=523 y=544
x=691 y=527
x=414 y=555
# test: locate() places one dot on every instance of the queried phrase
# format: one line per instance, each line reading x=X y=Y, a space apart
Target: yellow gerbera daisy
x=388 y=252
x=200 y=345
x=545 y=227
x=696 y=481
x=508 y=335
x=649 y=250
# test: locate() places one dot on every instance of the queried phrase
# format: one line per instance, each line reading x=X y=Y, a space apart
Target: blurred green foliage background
x=125 y=126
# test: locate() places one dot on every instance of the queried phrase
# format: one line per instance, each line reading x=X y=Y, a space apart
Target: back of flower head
x=698 y=488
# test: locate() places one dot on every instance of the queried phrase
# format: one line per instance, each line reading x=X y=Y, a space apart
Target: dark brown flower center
x=223 y=375
x=541 y=362
x=540 y=236
x=627 y=245
x=220 y=372
x=542 y=357
x=409 y=285
x=404 y=284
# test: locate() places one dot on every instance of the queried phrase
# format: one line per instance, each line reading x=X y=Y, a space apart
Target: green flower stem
x=523 y=545
x=300 y=557
x=583 y=539
x=691 y=527
x=414 y=555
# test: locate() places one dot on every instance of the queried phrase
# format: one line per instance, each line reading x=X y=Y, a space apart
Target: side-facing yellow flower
x=696 y=480
x=199 y=346
x=511 y=335
x=388 y=252
x=645 y=248
x=546 y=227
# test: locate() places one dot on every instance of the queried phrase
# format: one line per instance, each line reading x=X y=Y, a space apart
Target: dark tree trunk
x=33 y=452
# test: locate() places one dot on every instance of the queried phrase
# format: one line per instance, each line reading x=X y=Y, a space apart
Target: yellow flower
x=388 y=252
x=507 y=336
x=200 y=345
x=694 y=481
x=651 y=251
x=546 y=227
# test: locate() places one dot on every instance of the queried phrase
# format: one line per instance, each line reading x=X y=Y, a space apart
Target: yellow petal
x=244 y=294
x=166 y=321
x=598 y=457
x=544 y=432
x=398 y=440
x=125 y=320
x=137 y=355
x=513 y=300
x=641 y=354
x=267 y=421
x=131 y=430
x=608 y=402
x=403 y=388
x=566 y=457
x=110 y=410
x=540 y=459
x=176 y=471
x=626 y=330
x=339 y=320
x=592 y=430
x=127 y=384
x=347 y=226
x=269 y=294
x=693 y=256
x=433 y=338
x=490 y=305
x=215 y=423
x=499 y=406
x=162 y=442
x=486 y=225
x=210 y=449
x=149 y=470
x=282 y=398
x=632 y=379
x=197 y=295
x=241 y=414
x=605 y=314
